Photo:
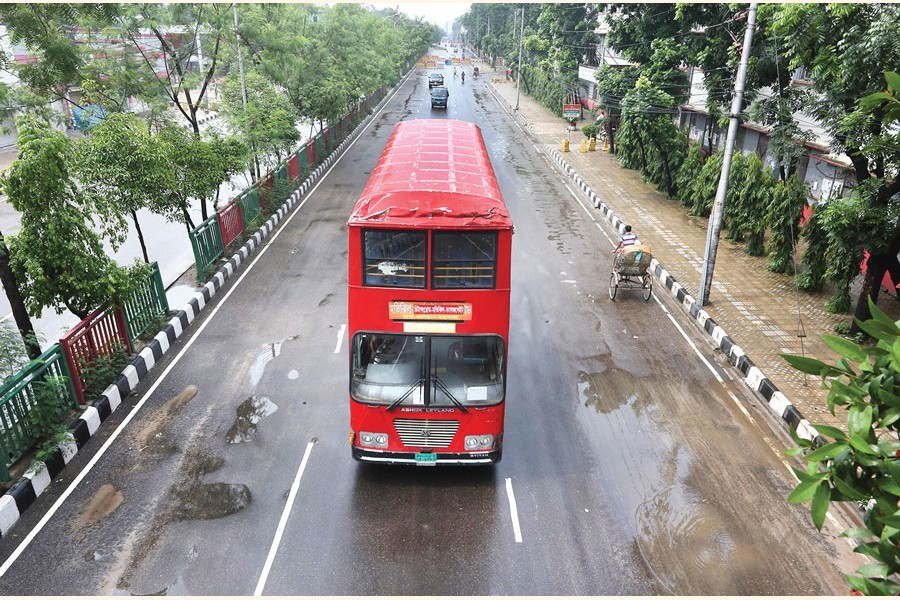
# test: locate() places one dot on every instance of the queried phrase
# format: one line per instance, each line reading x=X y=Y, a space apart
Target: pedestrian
x=628 y=239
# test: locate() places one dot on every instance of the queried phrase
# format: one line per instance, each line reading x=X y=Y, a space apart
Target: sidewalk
x=761 y=311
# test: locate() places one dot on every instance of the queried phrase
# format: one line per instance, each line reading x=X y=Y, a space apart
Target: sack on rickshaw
x=634 y=260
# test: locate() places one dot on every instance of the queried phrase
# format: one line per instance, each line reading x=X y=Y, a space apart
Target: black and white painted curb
x=753 y=377
x=39 y=476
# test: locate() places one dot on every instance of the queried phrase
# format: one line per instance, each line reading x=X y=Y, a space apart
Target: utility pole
x=519 y=70
x=715 y=219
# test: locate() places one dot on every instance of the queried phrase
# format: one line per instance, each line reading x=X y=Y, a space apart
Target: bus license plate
x=427 y=459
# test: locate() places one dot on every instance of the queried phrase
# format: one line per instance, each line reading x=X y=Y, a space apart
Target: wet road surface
x=629 y=467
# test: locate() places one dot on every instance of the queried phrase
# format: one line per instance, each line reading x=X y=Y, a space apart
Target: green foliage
x=13 y=357
x=57 y=257
x=785 y=211
x=647 y=121
x=703 y=191
x=887 y=101
x=812 y=279
x=859 y=464
x=628 y=147
x=121 y=167
x=749 y=203
x=266 y=122
x=590 y=131
x=45 y=416
x=852 y=225
x=688 y=173
x=861 y=46
x=99 y=372
x=203 y=166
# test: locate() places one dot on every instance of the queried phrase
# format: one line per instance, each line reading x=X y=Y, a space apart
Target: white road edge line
x=517 y=531
x=279 y=532
x=340 y=338
x=96 y=458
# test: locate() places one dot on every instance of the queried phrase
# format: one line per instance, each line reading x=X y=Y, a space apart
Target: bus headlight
x=479 y=442
x=375 y=440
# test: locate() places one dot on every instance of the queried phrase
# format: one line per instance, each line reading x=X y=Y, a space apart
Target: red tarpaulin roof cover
x=434 y=173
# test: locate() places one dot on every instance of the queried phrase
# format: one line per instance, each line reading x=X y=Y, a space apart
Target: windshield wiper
x=443 y=387
x=399 y=401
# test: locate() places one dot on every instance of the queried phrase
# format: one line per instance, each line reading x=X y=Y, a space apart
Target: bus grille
x=426 y=433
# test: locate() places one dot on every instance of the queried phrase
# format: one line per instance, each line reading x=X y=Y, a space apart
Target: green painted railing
x=206 y=240
x=20 y=395
x=249 y=202
x=147 y=304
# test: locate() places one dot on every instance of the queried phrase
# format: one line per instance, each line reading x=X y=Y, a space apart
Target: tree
x=648 y=112
x=266 y=122
x=120 y=163
x=177 y=30
x=203 y=166
x=612 y=85
x=860 y=464
x=57 y=258
x=861 y=46
x=785 y=211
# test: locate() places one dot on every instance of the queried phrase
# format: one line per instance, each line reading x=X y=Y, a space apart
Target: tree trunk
x=137 y=227
x=667 y=174
x=640 y=141
x=20 y=313
x=878 y=265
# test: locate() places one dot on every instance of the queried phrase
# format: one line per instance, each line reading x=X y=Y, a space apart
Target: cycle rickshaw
x=630 y=271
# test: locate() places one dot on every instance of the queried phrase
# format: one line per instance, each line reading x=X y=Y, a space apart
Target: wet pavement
x=763 y=312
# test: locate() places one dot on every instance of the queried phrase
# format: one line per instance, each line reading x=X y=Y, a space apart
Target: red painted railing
x=293 y=166
x=231 y=223
x=311 y=153
x=94 y=337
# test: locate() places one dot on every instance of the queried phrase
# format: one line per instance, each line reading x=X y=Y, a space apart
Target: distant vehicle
x=435 y=79
x=439 y=97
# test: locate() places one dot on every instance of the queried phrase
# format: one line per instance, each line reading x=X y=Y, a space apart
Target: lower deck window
x=427 y=370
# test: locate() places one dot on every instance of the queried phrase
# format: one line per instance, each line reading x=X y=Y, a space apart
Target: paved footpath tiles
x=763 y=312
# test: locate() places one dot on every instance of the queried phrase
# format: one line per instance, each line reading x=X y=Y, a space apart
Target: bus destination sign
x=430 y=311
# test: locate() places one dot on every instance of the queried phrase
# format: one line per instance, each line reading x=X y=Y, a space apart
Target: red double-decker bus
x=428 y=289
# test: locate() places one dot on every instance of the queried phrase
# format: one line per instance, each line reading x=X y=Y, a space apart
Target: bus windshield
x=427 y=370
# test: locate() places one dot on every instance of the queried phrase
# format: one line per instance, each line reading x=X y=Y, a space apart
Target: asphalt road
x=633 y=463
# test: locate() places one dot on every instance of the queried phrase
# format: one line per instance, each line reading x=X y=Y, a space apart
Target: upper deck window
x=394 y=258
x=464 y=259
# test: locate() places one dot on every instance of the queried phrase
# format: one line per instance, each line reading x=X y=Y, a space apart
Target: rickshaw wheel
x=647 y=287
x=613 y=286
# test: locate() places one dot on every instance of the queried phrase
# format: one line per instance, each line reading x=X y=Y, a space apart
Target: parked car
x=435 y=79
x=439 y=97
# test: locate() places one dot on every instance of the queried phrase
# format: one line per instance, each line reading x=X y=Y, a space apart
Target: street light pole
x=715 y=219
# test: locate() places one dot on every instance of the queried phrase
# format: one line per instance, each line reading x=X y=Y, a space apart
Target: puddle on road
x=211 y=501
x=249 y=413
x=272 y=351
x=684 y=541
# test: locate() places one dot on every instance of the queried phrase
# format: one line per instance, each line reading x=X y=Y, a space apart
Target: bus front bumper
x=427 y=459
